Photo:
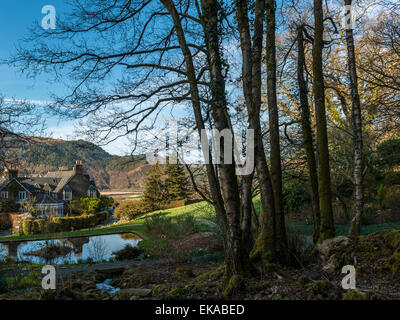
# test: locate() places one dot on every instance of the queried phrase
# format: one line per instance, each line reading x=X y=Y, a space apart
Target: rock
x=138 y=292
x=184 y=273
x=176 y=294
x=88 y=285
x=330 y=264
x=355 y=295
x=113 y=271
x=159 y=290
x=91 y=291
x=326 y=246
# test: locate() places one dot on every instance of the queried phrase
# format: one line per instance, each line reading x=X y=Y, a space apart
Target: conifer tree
x=155 y=192
x=176 y=182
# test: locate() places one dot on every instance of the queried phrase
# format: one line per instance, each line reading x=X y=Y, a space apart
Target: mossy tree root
x=263 y=250
x=232 y=285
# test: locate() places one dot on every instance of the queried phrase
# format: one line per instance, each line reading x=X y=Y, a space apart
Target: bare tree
x=179 y=64
x=275 y=153
x=307 y=131
x=324 y=181
x=19 y=120
x=355 y=226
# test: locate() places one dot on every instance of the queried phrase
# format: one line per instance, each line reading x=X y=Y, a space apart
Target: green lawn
x=342 y=230
x=203 y=210
x=140 y=230
x=200 y=210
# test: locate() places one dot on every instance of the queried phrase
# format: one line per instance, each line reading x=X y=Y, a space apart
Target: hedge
x=132 y=208
x=64 y=224
x=89 y=205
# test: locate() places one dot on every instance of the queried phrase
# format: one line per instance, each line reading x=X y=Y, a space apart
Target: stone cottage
x=51 y=192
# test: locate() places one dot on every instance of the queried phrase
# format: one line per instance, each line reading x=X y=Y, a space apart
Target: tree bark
x=255 y=217
x=275 y=153
x=324 y=180
x=307 y=133
x=247 y=205
x=265 y=246
x=238 y=262
x=355 y=226
x=195 y=98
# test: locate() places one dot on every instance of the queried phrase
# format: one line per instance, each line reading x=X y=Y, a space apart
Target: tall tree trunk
x=324 y=180
x=238 y=262
x=265 y=246
x=275 y=154
x=212 y=173
x=355 y=226
x=307 y=133
x=255 y=217
x=247 y=205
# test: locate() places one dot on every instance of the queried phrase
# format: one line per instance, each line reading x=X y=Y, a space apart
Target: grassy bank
x=200 y=211
x=342 y=230
x=129 y=227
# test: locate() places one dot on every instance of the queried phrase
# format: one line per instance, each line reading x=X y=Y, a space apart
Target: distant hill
x=109 y=172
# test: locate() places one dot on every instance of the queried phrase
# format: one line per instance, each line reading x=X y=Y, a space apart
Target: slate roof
x=44 y=198
x=41 y=181
x=56 y=180
x=63 y=178
x=29 y=183
x=27 y=186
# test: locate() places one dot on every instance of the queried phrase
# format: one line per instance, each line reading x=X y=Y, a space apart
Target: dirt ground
x=376 y=260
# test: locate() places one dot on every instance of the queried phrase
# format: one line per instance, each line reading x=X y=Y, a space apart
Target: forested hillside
x=40 y=155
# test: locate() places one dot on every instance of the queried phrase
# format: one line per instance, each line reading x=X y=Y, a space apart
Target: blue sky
x=16 y=18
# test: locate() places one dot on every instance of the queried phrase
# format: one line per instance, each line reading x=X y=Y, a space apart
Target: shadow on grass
x=342 y=230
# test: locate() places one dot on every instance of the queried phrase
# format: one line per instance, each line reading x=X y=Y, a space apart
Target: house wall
x=13 y=189
x=43 y=210
x=79 y=185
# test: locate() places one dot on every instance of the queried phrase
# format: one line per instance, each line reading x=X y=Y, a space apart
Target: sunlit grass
x=199 y=210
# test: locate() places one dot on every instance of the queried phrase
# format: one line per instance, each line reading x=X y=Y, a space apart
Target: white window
x=67 y=195
x=92 y=193
x=4 y=194
x=22 y=196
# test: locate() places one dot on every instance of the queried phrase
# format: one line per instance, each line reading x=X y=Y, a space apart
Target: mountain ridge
x=39 y=155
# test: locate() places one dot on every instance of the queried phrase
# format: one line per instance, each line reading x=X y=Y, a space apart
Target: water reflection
x=69 y=250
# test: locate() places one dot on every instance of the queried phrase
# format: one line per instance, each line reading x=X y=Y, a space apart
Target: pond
x=68 y=250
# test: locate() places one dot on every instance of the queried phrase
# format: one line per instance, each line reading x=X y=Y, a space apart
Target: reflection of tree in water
x=50 y=250
x=13 y=248
x=68 y=250
x=129 y=236
x=77 y=243
x=97 y=248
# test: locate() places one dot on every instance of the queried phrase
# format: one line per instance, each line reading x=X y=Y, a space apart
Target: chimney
x=10 y=173
x=78 y=168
